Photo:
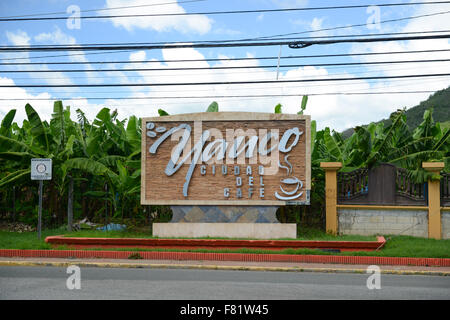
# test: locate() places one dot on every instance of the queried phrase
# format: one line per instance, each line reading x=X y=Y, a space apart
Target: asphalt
x=50 y=282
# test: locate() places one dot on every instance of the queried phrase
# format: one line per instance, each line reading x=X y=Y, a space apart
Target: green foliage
x=38 y=130
x=162 y=113
x=303 y=105
x=396 y=246
x=439 y=101
x=278 y=108
x=213 y=107
x=394 y=143
x=5 y=127
x=103 y=159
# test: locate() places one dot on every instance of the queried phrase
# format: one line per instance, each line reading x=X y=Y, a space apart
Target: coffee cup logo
x=289 y=182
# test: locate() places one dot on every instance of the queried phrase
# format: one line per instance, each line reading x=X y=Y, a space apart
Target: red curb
x=364 y=260
x=214 y=243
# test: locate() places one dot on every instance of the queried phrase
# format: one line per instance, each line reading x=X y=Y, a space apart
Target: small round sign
x=41 y=168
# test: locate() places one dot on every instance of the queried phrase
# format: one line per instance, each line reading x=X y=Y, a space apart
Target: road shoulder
x=223 y=265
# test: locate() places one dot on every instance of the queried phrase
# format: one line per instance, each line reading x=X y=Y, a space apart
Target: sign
x=226 y=158
x=41 y=169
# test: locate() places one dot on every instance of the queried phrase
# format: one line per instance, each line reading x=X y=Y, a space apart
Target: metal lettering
x=286 y=136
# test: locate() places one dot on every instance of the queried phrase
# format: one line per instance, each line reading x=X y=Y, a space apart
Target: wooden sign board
x=226 y=158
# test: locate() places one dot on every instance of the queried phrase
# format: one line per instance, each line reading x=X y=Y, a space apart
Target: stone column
x=331 y=169
x=434 y=200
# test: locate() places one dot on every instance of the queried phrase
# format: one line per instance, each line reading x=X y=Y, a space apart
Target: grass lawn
x=396 y=246
x=305 y=234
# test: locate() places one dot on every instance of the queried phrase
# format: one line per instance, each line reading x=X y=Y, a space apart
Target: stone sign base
x=227 y=230
x=232 y=214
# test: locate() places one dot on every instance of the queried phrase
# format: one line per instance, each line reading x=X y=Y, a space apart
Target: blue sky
x=336 y=111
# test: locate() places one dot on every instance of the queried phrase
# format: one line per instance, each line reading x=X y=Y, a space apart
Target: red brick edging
x=365 y=260
x=82 y=243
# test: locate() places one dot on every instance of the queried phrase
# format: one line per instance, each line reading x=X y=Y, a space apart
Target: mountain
x=439 y=101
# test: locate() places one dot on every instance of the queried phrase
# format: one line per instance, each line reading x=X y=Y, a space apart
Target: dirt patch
x=16 y=227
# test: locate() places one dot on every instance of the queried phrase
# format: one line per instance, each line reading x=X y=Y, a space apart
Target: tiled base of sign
x=228 y=230
x=238 y=214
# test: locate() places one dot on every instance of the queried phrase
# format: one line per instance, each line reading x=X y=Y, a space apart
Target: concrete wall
x=383 y=222
x=227 y=230
x=445 y=224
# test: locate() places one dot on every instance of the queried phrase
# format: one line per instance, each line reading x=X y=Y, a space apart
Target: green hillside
x=439 y=101
x=445 y=125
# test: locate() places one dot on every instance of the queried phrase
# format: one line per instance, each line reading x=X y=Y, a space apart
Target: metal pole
x=106 y=205
x=14 y=203
x=70 y=205
x=40 y=209
x=278 y=64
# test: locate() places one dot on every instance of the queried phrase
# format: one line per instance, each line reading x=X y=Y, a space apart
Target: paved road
x=117 y=283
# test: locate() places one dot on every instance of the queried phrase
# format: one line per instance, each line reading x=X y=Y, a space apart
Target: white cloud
x=312 y=26
x=320 y=107
x=55 y=37
x=22 y=38
x=185 y=24
x=44 y=107
x=42 y=103
x=337 y=111
x=385 y=104
x=61 y=38
x=19 y=38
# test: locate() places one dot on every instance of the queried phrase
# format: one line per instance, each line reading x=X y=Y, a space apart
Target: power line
x=353 y=86
x=220 y=96
x=216 y=59
x=224 y=12
x=218 y=82
x=213 y=74
x=253 y=98
x=66 y=55
x=227 y=40
x=228 y=67
x=348 y=26
x=104 y=9
x=292 y=44
x=405 y=82
x=309 y=31
x=394 y=83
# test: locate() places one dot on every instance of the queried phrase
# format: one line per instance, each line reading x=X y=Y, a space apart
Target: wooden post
x=434 y=200
x=331 y=169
